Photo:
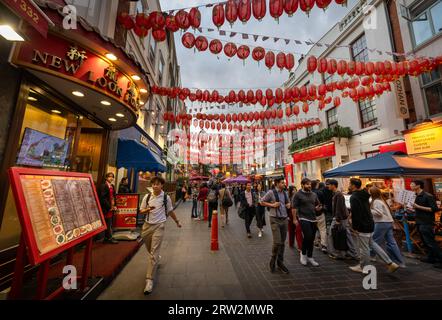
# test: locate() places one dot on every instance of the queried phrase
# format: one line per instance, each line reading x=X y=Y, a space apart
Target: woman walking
x=383 y=227
x=194 y=196
x=226 y=201
x=260 y=210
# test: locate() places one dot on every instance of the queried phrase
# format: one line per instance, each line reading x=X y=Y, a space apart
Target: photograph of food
x=69 y=235
x=60 y=239
x=45 y=184
x=76 y=232
x=58 y=229
x=130 y=220
x=55 y=220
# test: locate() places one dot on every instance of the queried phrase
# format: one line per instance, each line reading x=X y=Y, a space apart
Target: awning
x=132 y=154
x=390 y=164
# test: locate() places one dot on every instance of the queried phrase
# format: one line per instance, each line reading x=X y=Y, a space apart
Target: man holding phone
x=157 y=207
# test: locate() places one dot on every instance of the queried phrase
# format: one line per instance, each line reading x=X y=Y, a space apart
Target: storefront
x=74 y=89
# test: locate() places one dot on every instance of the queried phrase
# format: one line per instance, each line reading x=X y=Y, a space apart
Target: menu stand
x=43 y=272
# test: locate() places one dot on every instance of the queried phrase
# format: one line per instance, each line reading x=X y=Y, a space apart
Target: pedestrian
x=306 y=205
x=363 y=225
x=124 y=186
x=184 y=192
x=291 y=224
x=248 y=205
x=194 y=196
x=107 y=196
x=383 y=226
x=320 y=216
x=157 y=206
x=202 y=197
x=226 y=201
x=425 y=207
x=278 y=202
x=236 y=194
x=340 y=218
x=212 y=199
x=260 y=210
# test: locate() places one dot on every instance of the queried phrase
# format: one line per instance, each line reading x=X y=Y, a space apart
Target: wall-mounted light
x=111 y=56
x=78 y=94
x=10 y=34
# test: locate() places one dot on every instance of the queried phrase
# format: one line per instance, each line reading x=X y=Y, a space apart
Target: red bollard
x=214 y=241
x=206 y=210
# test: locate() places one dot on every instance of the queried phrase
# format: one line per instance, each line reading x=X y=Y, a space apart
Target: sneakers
x=335 y=257
x=283 y=268
x=149 y=286
x=313 y=262
x=260 y=234
x=392 y=267
x=249 y=235
x=356 y=268
x=303 y=259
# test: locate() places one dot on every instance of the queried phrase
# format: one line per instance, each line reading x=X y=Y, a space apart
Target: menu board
x=406 y=198
x=126 y=216
x=57 y=209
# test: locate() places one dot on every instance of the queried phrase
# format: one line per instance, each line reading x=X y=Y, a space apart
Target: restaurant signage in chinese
x=323 y=151
x=425 y=140
x=126 y=217
x=57 y=210
x=67 y=60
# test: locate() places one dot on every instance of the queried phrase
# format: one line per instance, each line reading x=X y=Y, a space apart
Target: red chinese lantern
x=351 y=68
x=250 y=95
x=312 y=64
x=195 y=18
x=171 y=24
x=259 y=9
x=212 y=125
x=230 y=49
x=270 y=59
x=306 y=5
x=290 y=6
x=182 y=18
x=280 y=60
x=241 y=95
x=280 y=113
x=296 y=110
x=360 y=68
x=369 y=68
x=258 y=54
x=244 y=10
x=322 y=65
x=218 y=15
x=342 y=67
x=287 y=95
x=231 y=11
x=243 y=52
x=341 y=2
x=157 y=20
x=305 y=107
x=188 y=40
x=142 y=20
x=303 y=92
x=234 y=117
x=379 y=68
x=228 y=118
x=332 y=66
x=232 y=96
x=269 y=94
x=224 y=126
x=288 y=111
x=270 y=102
x=279 y=95
x=159 y=35
x=259 y=94
x=276 y=8
x=141 y=31
x=201 y=43
x=273 y=114
x=323 y=4
x=337 y=101
x=289 y=61
x=263 y=101
x=312 y=90
x=215 y=46
x=322 y=90
x=126 y=21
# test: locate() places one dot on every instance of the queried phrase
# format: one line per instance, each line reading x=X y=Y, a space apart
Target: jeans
x=194 y=208
x=260 y=216
x=309 y=232
x=426 y=232
x=383 y=233
x=322 y=227
x=350 y=243
x=365 y=243
x=279 y=232
x=249 y=214
x=201 y=209
x=108 y=234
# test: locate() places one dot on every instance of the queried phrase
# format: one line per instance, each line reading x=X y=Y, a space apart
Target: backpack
x=164 y=203
x=212 y=198
x=226 y=202
x=275 y=194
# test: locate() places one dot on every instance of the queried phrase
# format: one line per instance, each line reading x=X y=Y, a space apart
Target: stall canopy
x=133 y=154
x=389 y=164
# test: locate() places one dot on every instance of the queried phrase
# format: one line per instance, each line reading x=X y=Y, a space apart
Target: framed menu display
x=57 y=210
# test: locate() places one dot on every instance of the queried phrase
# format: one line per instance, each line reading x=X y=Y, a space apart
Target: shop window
x=294 y=135
x=432 y=87
x=359 y=49
x=332 y=117
x=310 y=131
x=427 y=22
x=367 y=110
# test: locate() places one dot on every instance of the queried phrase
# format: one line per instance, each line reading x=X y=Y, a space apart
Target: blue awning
x=132 y=154
x=389 y=164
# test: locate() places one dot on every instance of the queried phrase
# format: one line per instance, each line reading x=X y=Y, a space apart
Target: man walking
x=278 y=200
x=202 y=197
x=425 y=207
x=157 y=207
x=305 y=206
x=248 y=205
x=363 y=225
x=339 y=217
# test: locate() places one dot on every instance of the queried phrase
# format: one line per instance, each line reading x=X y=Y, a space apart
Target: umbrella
x=239 y=179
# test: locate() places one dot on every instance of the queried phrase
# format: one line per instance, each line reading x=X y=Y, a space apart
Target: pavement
x=239 y=270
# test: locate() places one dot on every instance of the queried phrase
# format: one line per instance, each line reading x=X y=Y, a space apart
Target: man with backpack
x=157 y=206
x=278 y=202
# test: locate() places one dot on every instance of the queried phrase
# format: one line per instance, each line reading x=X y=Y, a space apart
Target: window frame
x=418 y=12
x=376 y=119
x=336 y=123
x=363 y=52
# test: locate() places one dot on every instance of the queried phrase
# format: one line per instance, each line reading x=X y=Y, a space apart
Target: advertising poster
x=126 y=216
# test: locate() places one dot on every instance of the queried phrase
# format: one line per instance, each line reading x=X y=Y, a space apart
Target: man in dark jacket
x=107 y=195
x=248 y=201
x=363 y=225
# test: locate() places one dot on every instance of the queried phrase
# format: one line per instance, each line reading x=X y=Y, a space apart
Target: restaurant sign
x=67 y=60
x=426 y=140
x=319 y=152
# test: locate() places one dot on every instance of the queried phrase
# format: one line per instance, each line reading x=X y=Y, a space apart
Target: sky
x=205 y=70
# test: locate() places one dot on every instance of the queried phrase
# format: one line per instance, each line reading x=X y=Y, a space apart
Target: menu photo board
x=126 y=216
x=57 y=210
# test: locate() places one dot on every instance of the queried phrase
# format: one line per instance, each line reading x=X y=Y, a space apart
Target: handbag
x=226 y=203
x=242 y=212
x=339 y=235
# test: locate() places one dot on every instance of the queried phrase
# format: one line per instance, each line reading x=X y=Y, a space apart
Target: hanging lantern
x=280 y=113
x=306 y=5
x=159 y=35
x=321 y=105
x=279 y=95
x=199 y=94
x=337 y=101
x=369 y=68
x=241 y=95
x=250 y=95
x=312 y=64
x=201 y=43
x=288 y=111
x=322 y=65
x=259 y=9
x=287 y=95
x=289 y=61
x=182 y=19
x=244 y=10
x=351 y=68
x=263 y=101
x=312 y=90
x=341 y=85
x=290 y=6
x=243 y=52
x=234 y=117
x=171 y=24
x=305 y=107
x=224 y=126
x=276 y=8
x=230 y=49
x=215 y=46
x=269 y=94
x=126 y=21
x=142 y=20
x=259 y=94
x=341 y=2
x=141 y=31
x=322 y=89
x=218 y=15
x=228 y=118
x=258 y=54
x=273 y=114
x=303 y=92
x=232 y=95
x=270 y=59
x=323 y=4
x=280 y=60
x=195 y=18
x=360 y=68
x=212 y=125
x=342 y=67
x=231 y=11
x=157 y=20
x=296 y=110
x=332 y=66
x=270 y=102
